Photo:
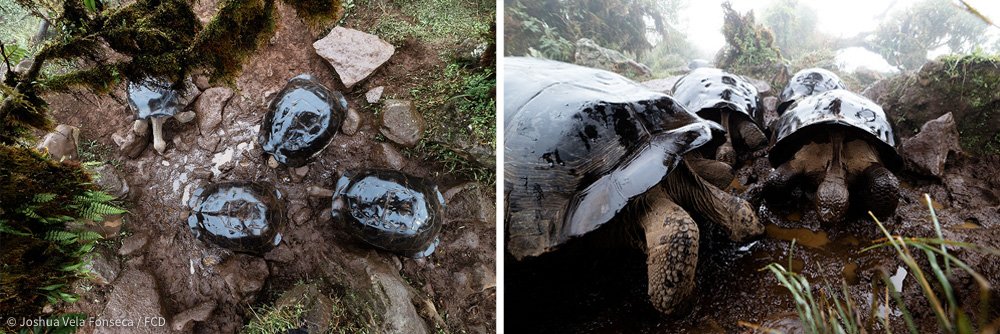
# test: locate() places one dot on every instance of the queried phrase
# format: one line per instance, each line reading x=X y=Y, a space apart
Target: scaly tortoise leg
x=671 y=251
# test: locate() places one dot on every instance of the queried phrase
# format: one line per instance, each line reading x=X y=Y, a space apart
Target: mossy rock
x=967 y=86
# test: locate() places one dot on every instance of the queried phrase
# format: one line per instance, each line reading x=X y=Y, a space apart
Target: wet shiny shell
x=301 y=121
x=152 y=98
x=807 y=82
x=707 y=90
x=817 y=114
x=241 y=216
x=390 y=210
x=565 y=127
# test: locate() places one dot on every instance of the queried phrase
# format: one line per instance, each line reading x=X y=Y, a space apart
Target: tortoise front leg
x=671 y=251
x=734 y=214
x=881 y=191
x=725 y=152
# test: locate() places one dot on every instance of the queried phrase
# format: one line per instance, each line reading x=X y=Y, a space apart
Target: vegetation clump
x=750 y=49
x=44 y=244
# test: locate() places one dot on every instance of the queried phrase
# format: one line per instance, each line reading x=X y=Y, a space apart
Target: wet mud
x=597 y=283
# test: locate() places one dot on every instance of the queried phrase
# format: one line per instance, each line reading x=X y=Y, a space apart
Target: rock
x=589 y=54
x=134 y=296
x=108 y=228
x=353 y=54
x=392 y=157
x=401 y=123
x=665 y=86
x=107 y=178
x=297 y=174
x=427 y=310
x=103 y=269
x=134 y=144
x=132 y=244
x=61 y=144
x=927 y=151
x=184 y=116
x=189 y=95
x=770 y=110
x=209 y=108
x=197 y=313
x=299 y=213
x=315 y=191
x=209 y=142
x=374 y=94
x=351 y=123
x=400 y=314
x=244 y=275
x=763 y=88
x=201 y=81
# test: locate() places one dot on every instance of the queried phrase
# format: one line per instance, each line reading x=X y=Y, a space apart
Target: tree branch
x=3 y=51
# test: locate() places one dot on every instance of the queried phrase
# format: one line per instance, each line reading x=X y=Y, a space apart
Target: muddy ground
x=158 y=266
x=597 y=283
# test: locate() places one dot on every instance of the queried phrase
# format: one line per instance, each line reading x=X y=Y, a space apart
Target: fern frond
x=63 y=237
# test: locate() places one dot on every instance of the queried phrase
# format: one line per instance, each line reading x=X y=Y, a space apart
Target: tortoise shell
x=706 y=90
x=152 y=98
x=807 y=82
x=240 y=216
x=301 y=121
x=390 y=210
x=579 y=144
x=835 y=108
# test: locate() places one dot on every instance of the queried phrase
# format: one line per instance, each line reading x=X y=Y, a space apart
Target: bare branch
x=10 y=69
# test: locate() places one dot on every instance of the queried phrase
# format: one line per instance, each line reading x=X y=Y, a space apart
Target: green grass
x=832 y=310
x=435 y=21
x=275 y=320
x=458 y=96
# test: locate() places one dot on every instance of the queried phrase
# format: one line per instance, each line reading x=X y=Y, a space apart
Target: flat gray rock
x=401 y=123
x=353 y=54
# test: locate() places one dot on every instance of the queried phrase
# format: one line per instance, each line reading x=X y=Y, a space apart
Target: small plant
x=834 y=311
x=275 y=320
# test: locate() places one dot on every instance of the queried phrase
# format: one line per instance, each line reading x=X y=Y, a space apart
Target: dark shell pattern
x=811 y=115
x=240 y=216
x=152 y=98
x=705 y=90
x=579 y=144
x=390 y=210
x=301 y=121
x=808 y=82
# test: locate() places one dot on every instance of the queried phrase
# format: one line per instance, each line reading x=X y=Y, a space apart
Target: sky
x=702 y=20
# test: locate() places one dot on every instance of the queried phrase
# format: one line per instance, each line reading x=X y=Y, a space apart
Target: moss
x=233 y=35
x=317 y=12
x=974 y=82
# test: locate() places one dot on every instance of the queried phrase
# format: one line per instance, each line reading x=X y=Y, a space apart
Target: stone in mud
x=134 y=296
x=298 y=174
x=353 y=54
x=927 y=151
x=301 y=121
x=185 y=116
x=132 y=144
x=108 y=228
x=392 y=156
x=132 y=244
x=589 y=54
x=110 y=181
x=351 y=123
x=390 y=210
x=244 y=275
x=240 y=216
x=201 y=312
x=104 y=269
x=401 y=123
x=62 y=143
x=400 y=315
x=209 y=108
x=209 y=142
x=374 y=94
